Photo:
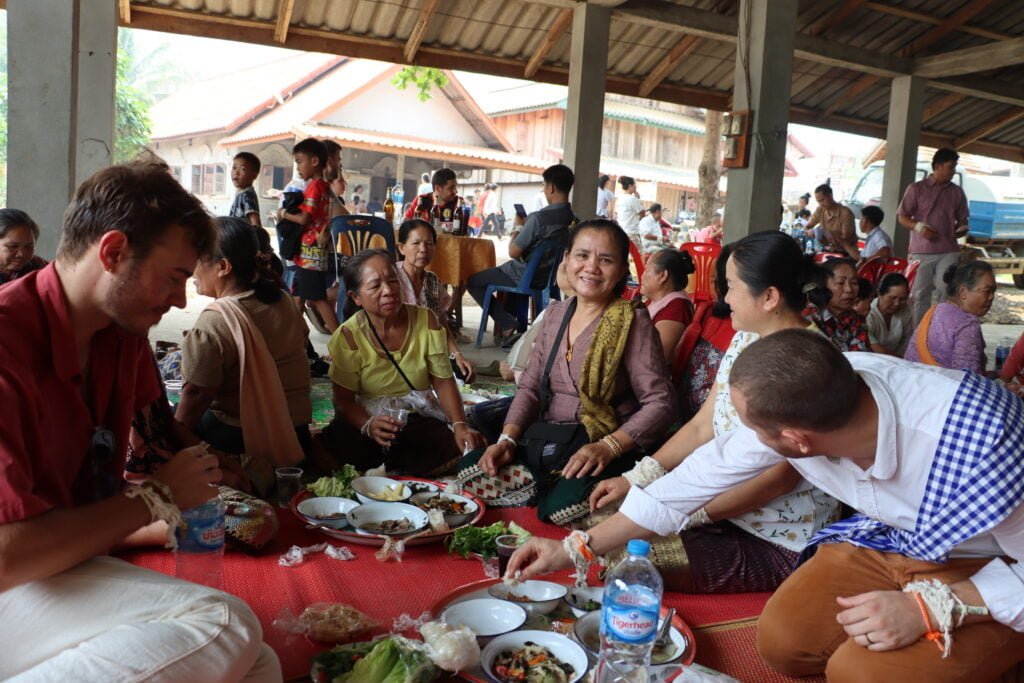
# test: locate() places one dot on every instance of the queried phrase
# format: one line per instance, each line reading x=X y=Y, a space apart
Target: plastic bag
x=326 y=622
x=296 y=555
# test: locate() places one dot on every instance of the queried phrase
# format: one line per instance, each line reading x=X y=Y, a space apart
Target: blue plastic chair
x=355 y=233
x=540 y=296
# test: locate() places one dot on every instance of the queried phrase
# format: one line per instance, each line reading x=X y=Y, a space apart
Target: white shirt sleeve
x=717 y=466
x=1002 y=585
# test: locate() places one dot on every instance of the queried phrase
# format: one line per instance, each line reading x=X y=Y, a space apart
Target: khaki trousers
x=798 y=634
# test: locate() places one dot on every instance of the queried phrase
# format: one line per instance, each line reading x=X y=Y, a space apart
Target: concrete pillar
x=584 y=114
x=905 y=104
x=61 y=56
x=764 y=60
x=399 y=168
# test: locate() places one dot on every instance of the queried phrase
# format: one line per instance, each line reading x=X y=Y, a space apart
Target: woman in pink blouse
x=595 y=392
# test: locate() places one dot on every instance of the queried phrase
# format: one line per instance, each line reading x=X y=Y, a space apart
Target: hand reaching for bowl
x=191 y=475
x=536 y=557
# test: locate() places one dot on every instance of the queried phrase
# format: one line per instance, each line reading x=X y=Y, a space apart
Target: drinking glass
x=288 y=479
x=400 y=415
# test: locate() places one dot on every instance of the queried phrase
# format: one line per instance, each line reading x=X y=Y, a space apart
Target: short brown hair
x=795 y=379
x=140 y=199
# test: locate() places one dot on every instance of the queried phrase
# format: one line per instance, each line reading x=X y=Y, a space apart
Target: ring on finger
x=867 y=637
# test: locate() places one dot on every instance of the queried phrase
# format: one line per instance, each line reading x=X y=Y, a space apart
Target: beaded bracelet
x=613 y=444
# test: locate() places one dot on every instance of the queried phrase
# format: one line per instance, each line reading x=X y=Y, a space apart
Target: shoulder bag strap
x=545 y=381
x=387 y=353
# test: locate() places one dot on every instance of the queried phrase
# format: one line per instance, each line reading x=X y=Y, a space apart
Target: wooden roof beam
x=668 y=64
x=849 y=93
x=991 y=89
x=124 y=11
x=838 y=16
x=971 y=59
x=284 y=20
x=966 y=13
x=412 y=45
x=941 y=105
x=929 y=19
x=990 y=126
x=555 y=33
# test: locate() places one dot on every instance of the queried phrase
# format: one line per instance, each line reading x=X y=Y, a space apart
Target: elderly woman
x=890 y=321
x=18 y=235
x=831 y=307
x=388 y=357
x=949 y=334
x=416 y=241
x=750 y=538
x=663 y=283
x=246 y=379
x=594 y=392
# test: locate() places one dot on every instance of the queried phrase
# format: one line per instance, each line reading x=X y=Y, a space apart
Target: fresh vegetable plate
x=377 y=540
x=562 y=617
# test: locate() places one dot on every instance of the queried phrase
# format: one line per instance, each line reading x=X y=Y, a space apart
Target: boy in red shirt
x=310 y=283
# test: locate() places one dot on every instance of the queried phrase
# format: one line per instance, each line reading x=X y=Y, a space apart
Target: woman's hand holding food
x=591 y=459
x=383 y=429
x=496 y=456
x=467 y=438
x=608 y=491
x=536 y=557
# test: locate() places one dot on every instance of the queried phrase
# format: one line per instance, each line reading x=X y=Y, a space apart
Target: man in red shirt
x=445 y=194
x=75 y=371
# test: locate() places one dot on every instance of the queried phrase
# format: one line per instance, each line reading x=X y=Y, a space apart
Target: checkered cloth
x=976 y=480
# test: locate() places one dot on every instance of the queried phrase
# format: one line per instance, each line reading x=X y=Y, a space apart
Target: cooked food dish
x=334 y=623
x=531 y=664
x=389 y=526
x=328 y=516
x=448 y=506
x=389 y=493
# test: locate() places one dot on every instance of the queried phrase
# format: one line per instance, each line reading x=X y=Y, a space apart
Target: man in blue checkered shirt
x=932 y=461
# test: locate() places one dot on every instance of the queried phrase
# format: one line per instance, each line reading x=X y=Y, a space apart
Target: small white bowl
x=368 y=489
x=587 y=631
x=576 y=598
x=485 y=617
x=453 y=520
x=313 y=509
x=366 y=518
x=536 y=597
x=563 y=649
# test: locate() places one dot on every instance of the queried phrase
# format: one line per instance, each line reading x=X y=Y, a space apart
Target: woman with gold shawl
x=595 y=392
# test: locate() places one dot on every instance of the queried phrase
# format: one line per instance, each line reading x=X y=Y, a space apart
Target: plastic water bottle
x=1003 y=352
x=200 y=553
x=629 y=617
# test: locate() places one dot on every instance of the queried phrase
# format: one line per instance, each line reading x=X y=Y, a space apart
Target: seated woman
x=663 y=283
x=389 y=356
x=890 y=321
x=949 y=334
x=416 y=241
x=750 y=538
x=694 y=373
x=18 y=235
x=246 y=379
x=836 y=317
x=594 y=391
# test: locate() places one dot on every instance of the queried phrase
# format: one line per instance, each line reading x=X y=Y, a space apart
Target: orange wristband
x=934 y=636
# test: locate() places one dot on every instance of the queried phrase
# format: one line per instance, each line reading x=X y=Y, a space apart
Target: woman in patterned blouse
x=831 y=307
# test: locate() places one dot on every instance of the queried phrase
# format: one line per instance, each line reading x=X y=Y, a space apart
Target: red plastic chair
x=823 y=256
x=872 y=270
x=895 y=265
x=704 y=255
x=911 y=272
x=633 y=288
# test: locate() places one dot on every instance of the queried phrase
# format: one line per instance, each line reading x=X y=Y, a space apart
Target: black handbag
x=549 y=445
x=289 y=233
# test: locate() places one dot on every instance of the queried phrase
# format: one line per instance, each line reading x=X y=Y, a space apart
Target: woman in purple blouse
x=949 y=335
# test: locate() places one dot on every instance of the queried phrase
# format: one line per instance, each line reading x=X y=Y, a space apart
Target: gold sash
x=597 y=376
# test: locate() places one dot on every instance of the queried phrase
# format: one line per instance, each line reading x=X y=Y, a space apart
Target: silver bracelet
x=157 y=497
x=506 y=437
x=365 y=429
x=458 y=422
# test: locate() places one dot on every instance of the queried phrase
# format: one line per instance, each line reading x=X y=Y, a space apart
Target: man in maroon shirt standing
x=935 y=209
x=75 y=372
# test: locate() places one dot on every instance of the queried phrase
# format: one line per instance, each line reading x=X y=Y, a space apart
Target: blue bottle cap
x=639 y=547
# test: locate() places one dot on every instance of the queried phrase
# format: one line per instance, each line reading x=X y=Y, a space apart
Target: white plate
x=541 y=596
x=578 y=597
x=453 y=520
x=485 y=616
x=311 y=507
x=367 y=488
x=587 y=631
x=563 y=649
x=365 y=518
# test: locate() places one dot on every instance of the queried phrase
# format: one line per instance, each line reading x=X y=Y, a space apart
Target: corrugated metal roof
x=500 y=37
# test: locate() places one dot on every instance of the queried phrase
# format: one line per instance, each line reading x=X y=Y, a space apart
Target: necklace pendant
x=568 y=356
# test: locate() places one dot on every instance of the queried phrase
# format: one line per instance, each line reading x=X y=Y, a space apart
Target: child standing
x=314 y=215
x=245 y=167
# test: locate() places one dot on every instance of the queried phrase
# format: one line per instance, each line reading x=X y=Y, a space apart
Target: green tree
x=131 y=106
x=423 y=77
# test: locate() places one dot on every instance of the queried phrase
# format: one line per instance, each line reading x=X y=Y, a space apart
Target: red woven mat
x=730 y=647
x=387 y=590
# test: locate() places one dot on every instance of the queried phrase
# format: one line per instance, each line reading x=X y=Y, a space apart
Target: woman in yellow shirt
x=391 y=355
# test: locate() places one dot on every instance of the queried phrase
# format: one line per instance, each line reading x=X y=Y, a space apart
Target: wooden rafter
x=412 y=45
x=837 y=17
x=929 y=19
x=555 y=33
x=941 y=105
x=990 y=126
x=923 y=42
x=124 y=11
x=972 y=59
x=284 y=20
x=668 y=64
